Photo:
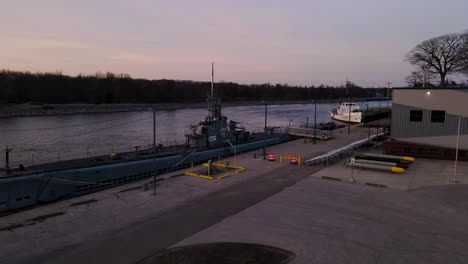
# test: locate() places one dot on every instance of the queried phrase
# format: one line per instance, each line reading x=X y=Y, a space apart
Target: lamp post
x=368 y=125
x=235 y=152
x=154 y=150
x=349 y=119
x=456 y=151
x=388 y=92
x=315 y=119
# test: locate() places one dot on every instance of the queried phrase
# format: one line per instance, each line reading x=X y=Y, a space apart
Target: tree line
x=437 y=58
x=56 y=88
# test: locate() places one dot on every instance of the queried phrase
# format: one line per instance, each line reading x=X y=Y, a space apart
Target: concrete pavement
x=271 y=203
x=335 y=222
x=115 y=214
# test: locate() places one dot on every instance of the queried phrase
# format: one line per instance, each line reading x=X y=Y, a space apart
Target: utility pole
x=388 y=92
x=456 y=151
x=349 y=103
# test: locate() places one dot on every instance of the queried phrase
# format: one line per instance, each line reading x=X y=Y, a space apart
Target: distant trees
x=443 y=55
x=421 y=78
x=20 y=87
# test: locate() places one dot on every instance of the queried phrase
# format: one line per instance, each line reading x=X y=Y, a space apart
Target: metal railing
x=335 y=155
x=44 y=156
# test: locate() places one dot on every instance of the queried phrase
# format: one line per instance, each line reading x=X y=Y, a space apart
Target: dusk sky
x=295 y=42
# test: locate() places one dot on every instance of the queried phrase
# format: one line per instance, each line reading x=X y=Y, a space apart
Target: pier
x=309 y=133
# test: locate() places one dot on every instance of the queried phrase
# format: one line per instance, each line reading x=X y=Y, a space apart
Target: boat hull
x=354 y=118
x=27 y=190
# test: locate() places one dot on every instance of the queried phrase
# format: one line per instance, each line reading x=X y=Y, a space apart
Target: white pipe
x=376 y=167
x=376 y=162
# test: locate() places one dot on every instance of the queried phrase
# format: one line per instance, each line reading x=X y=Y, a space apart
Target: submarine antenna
x=212 y=78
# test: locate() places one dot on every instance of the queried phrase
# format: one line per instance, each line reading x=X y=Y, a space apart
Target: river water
x=51 y=138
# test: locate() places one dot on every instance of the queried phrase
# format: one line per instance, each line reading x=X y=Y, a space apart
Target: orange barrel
x=294 y=159
x=271 y=156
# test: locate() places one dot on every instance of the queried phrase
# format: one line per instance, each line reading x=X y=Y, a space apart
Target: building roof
x=432 y=88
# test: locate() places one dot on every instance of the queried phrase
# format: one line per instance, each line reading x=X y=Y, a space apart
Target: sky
x=296 y=42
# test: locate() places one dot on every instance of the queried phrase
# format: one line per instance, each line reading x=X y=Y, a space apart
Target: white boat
x=347 y=112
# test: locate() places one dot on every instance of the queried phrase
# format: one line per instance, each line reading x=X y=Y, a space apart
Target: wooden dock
x=309 y=133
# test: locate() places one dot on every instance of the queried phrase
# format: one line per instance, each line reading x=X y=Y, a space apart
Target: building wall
x=453 y=101
x=402 y=127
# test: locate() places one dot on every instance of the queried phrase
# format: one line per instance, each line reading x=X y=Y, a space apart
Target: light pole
x=456 y=151
x=289 y=125
x=265 y=129
x=235 y=152
x=388 y=92
x=154 y=150
x=368 y=125
x=349 y=119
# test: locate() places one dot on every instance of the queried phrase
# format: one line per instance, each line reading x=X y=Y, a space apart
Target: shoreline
x=30 y=110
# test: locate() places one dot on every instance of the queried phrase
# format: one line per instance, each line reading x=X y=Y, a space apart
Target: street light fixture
x=235 y=151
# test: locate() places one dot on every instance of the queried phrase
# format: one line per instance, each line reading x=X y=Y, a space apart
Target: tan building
x=425 y=122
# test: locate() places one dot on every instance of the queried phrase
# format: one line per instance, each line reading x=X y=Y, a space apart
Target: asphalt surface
x=141 y=240
x=335 y=222
x=321 y=221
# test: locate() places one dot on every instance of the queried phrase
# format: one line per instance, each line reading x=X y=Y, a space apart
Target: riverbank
x=27 y=110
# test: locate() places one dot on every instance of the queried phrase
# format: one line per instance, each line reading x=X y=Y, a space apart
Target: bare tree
x=445 y=55
x=422 y=77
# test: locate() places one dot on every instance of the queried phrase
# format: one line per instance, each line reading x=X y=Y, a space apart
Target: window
x=438 y=116
x=416 y=115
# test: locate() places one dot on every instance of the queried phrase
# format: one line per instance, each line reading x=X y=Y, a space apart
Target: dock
x=309 y=133
x=271 y=203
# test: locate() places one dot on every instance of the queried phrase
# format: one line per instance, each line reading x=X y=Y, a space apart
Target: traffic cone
x=271 y=156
